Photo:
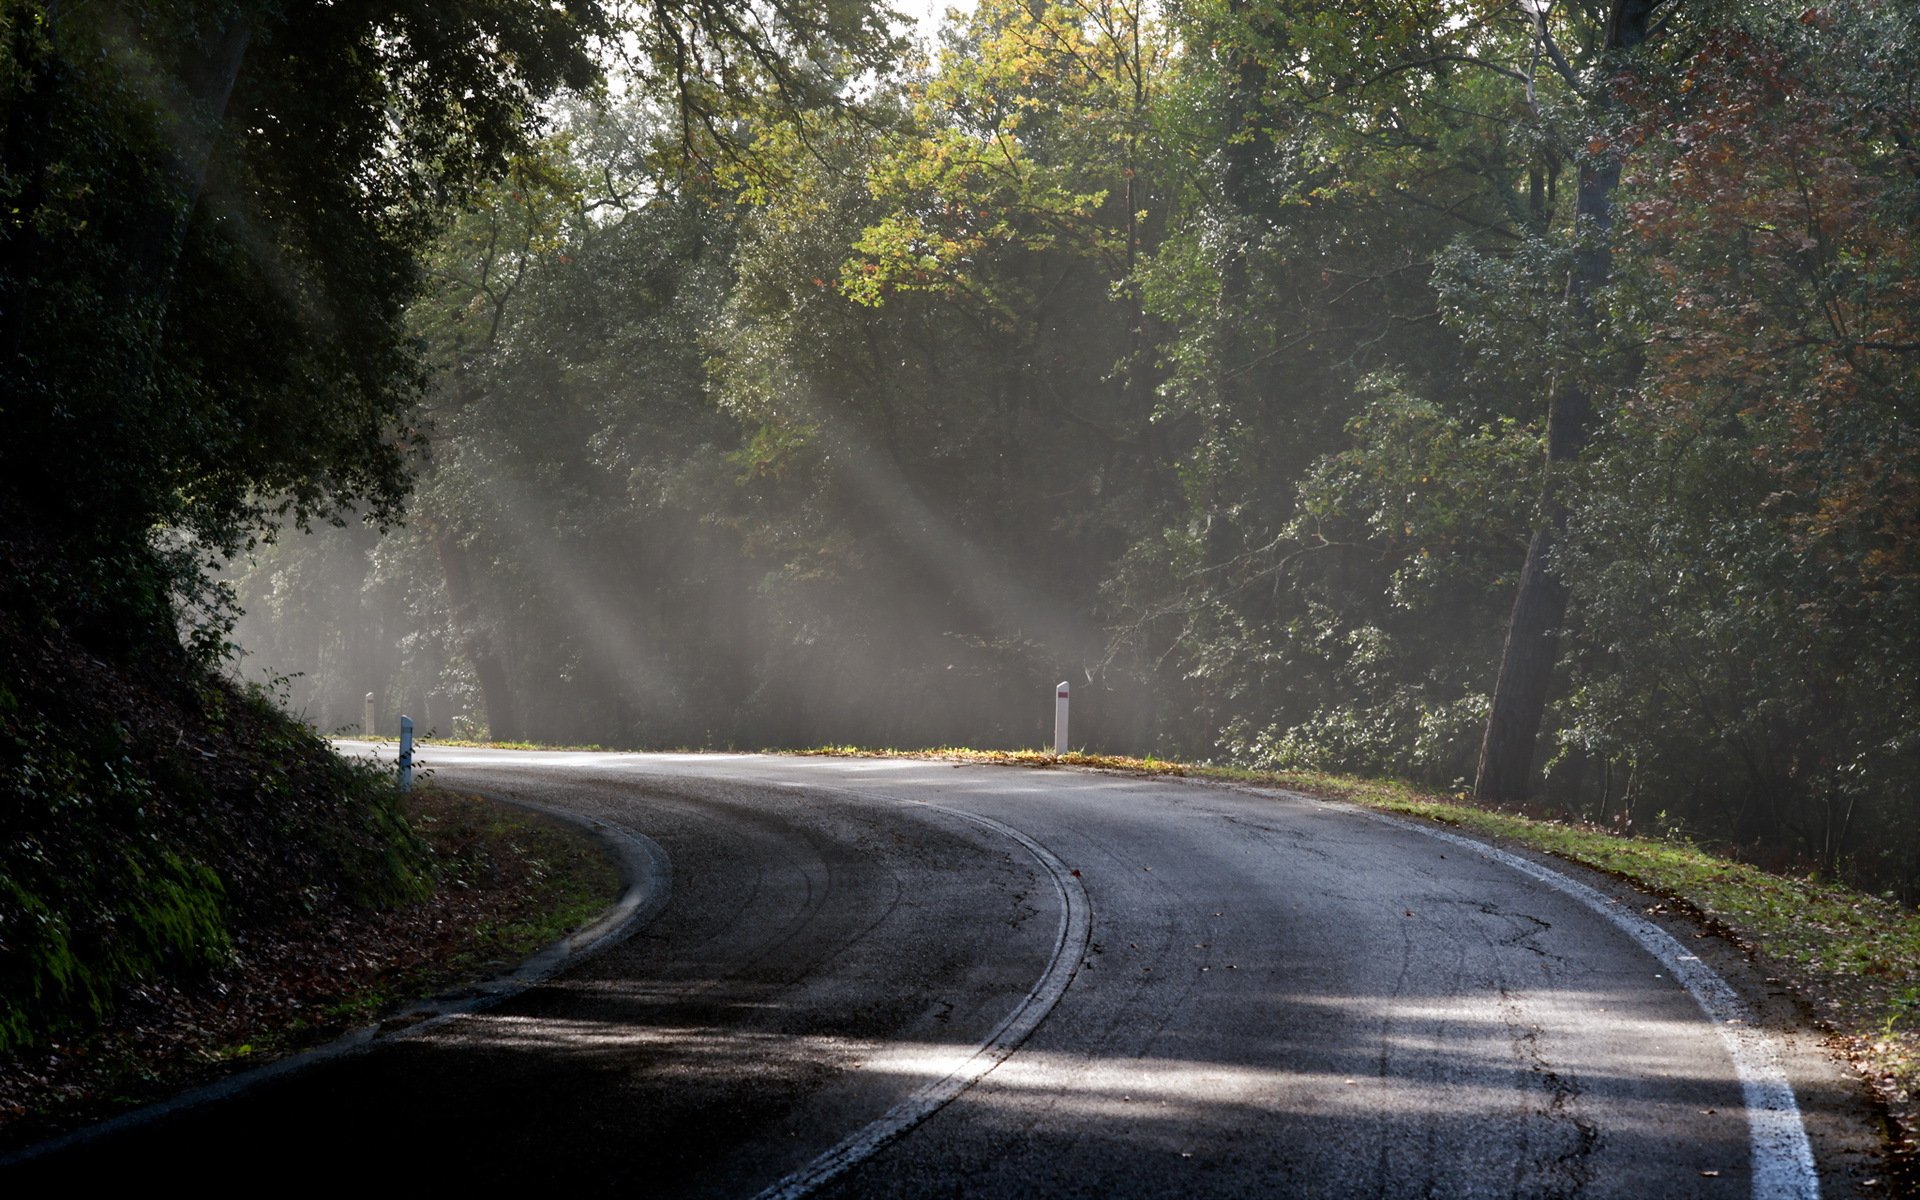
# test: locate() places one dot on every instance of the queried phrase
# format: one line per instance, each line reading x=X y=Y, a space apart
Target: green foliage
x=1028 y=139
x=1744 y=548
x=150 y=812
x=211 y=226
x=1205 y=359
x=123 y=862
x=66 y=957
x=1399 y=562
x=577 y=457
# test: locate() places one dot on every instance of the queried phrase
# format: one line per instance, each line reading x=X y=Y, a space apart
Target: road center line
x=1782 y=1158
x=1070 y=947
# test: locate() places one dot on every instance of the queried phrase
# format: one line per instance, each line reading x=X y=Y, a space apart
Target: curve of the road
x=1069 y=948
x=910 y=978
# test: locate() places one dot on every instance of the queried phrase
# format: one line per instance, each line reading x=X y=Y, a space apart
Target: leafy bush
x=151 y=812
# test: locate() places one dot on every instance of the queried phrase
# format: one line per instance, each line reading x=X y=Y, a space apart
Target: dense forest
x=1510 y=396
x=213 y=220
x=1514 y=396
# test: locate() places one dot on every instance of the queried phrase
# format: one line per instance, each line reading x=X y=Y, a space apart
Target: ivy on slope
x=150 y=809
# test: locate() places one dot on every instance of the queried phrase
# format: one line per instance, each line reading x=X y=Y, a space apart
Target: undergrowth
x=151 y=811
x=504 y=883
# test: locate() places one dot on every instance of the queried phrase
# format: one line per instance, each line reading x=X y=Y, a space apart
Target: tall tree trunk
x=503 y=715
x=1526 y=663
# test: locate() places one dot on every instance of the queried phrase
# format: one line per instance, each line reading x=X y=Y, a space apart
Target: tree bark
x=503 y=716
x=1526 y=670
x=1526 y=662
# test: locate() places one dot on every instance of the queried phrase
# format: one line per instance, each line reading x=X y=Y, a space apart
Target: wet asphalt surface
x=1275 y=997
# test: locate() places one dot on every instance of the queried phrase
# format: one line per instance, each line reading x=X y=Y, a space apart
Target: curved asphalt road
x=1095 y=986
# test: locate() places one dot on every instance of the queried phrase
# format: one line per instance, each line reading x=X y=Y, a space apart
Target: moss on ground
x=498 y=883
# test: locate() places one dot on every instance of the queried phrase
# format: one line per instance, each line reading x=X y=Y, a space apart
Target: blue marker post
x=406 y=754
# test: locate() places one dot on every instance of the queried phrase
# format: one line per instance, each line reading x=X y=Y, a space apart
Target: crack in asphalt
x=1572 y=1168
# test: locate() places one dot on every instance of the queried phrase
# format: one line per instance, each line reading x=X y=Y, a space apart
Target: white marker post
x=366 y=718
x=1060 y=718
x=406 y=754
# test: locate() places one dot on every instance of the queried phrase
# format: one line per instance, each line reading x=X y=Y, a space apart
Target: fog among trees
x=1288 y=377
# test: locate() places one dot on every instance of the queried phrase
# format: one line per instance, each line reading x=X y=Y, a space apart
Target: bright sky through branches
x=928 y=13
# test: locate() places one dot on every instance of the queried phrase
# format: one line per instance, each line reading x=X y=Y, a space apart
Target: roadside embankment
x=499 y=882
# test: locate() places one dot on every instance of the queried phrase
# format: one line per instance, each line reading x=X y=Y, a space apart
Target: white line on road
x=1070 y=947
x=1782 y=1158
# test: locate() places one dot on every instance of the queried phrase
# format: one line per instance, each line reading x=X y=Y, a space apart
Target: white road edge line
x=1070 y=947
x=1782 y=1157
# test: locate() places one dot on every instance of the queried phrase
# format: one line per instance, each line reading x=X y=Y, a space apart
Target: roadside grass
x=506 y=882
x=554 y=875
x=1853 y=957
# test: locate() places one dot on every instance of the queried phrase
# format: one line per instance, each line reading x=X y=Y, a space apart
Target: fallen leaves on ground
x=505 y=879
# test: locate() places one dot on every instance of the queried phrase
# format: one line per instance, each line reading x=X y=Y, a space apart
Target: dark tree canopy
x=215 y=218
x=214 y=214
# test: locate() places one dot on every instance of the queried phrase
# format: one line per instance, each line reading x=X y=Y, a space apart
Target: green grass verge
x=558 y=876
x=506 y=883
